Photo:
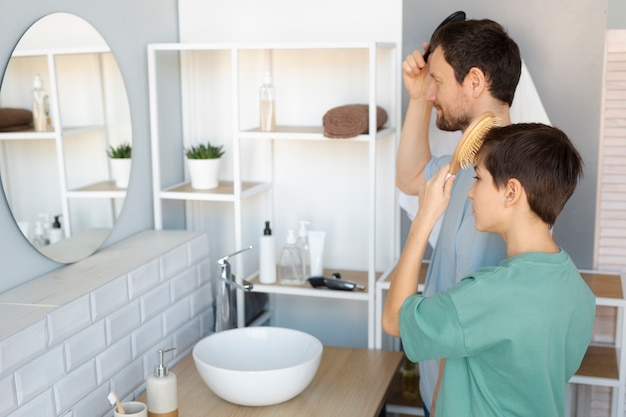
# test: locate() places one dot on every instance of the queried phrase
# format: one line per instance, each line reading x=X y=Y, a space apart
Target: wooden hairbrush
x=464 y=155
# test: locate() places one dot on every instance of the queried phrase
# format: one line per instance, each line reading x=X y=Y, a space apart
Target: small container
x=316 y=252
x=40 y=105
x=290 y=262
x=303 y=244
x=132 y=409
x=267 y=256
x=162 y=390
x=56 y=233
x=267 y=104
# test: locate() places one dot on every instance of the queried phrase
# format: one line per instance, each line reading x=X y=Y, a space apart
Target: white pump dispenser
x=162 y=390
x=267 y=104
x=303 y=244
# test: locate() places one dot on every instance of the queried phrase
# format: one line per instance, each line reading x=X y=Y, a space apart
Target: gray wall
x=563 y=50
x=127 y=26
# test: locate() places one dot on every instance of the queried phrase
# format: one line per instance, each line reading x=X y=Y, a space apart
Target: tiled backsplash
x=68 y=338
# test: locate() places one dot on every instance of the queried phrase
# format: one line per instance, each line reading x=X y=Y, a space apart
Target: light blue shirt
x=460 y=249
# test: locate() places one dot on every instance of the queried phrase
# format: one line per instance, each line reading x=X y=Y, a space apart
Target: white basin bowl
x=256 y=366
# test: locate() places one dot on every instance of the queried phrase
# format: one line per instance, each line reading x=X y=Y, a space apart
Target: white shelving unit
x=74 y=147
x=201 y=92
x=603 y=364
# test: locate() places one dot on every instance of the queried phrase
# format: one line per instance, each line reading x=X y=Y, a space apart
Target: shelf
x=599 y=367
x=359 y=277
x=224 y=192
x=607 y=287
x=307 y=133
x=104 y=189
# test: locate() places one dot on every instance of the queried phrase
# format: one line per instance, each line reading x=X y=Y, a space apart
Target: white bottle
x=290 y=262
x=40 y=239
x=56 y=232
x=267 y=254
x=303 y=244
x=162 y=390
x=40 y=105
x=267 y=104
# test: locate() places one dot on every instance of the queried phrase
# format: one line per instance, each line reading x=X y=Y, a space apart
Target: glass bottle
x=290 y=262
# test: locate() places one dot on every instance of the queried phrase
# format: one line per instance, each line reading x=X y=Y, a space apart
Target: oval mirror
x=63 y=112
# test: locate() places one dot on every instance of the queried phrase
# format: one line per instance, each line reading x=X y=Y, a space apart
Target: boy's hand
x=435 y=196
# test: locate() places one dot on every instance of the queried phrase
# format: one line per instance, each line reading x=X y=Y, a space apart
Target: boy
x=514 y=334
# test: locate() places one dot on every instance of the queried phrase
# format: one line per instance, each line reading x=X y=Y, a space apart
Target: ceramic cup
x=133 y=409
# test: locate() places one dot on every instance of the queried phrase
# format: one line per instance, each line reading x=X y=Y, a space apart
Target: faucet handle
x=223 y=260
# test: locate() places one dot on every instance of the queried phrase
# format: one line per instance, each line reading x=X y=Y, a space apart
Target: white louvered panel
x=610 y=240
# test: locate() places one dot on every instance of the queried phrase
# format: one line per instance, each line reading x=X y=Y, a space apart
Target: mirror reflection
x=65 y=137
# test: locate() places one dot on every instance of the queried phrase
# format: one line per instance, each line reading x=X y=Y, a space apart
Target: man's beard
x=451 y=123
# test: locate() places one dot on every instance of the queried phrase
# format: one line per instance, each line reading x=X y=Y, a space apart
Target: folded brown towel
x=351 y=120
x=15 y=119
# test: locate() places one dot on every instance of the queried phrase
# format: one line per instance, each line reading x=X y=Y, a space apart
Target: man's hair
x=541 y=157
x=483 y=44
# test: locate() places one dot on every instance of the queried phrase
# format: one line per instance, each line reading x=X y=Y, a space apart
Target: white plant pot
x=204 y=173
x=120 y=171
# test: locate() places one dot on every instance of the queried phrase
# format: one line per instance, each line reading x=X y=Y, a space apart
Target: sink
x=257 y=366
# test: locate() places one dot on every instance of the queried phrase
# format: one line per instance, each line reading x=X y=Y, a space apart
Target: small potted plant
x=204 y=163
x=119 y=157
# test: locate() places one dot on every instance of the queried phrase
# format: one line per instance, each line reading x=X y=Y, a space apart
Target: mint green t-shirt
x=513 y=335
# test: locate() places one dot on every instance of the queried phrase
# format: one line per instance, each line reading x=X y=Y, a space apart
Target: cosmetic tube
x=316 y=252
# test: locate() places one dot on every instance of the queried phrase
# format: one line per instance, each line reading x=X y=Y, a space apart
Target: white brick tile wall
x=41 y=406
x=122 y=321
x=69 y=319
x=76 y=385
x=143 y=278
x=128 y=379
x=35 y=377
x=176 y=316
x=146 y=336
x=7 y=393
x=114 y=359
x=94 y=404
x=152 y=303
x=183 y=284
x=84 y=345
x=205 y=271
x=173 y=262
x=109 y=298
x=18 y=348
x=66 y=365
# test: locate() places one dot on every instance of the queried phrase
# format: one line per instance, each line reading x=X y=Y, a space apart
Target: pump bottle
x=267 y=104
x=267 y=253
x=290 y=262
x=303 y=244
x=56 y=233
x=162 y=390
x=40 y=105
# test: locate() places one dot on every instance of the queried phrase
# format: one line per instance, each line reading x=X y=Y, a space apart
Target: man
x=474 y=67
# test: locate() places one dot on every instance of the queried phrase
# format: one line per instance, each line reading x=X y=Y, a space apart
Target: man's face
x=447 y=95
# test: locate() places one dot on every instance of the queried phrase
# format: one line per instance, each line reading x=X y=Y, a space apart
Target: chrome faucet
x=226 y=303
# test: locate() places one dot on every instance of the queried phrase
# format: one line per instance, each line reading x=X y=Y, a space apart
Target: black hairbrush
x=454 y=17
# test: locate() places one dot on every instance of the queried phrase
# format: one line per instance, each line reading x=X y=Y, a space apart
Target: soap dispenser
x=267 y=256
x=56 y=233
x=40 y=105
x=267 y=104
x=162 y=390
x=290 y=262
x=303 y=244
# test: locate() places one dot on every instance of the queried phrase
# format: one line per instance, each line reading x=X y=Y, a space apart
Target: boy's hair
x=541 y=157
x=483 y=44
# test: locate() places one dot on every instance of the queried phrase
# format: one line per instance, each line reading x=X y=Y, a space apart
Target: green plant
x=203 y=151
x=123 y=150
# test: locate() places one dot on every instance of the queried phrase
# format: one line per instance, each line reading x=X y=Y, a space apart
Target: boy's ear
x=513 y=192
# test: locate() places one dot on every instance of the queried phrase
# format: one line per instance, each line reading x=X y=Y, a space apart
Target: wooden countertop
x=349 y=382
